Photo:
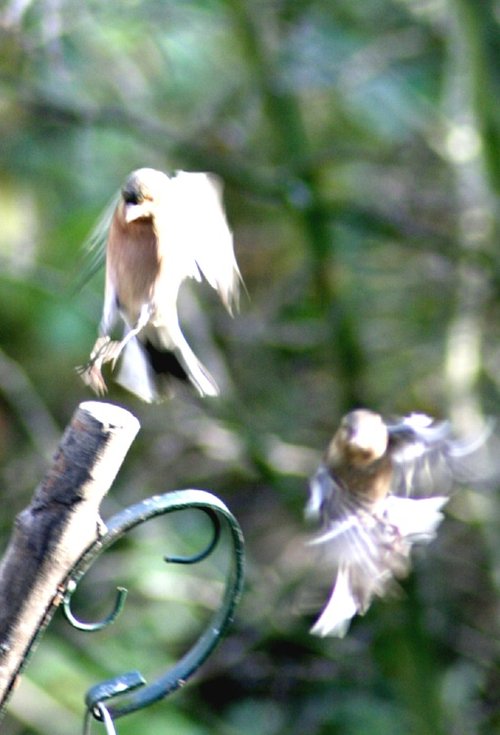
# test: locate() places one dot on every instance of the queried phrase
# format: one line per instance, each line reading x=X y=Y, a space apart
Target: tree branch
x=53 y=532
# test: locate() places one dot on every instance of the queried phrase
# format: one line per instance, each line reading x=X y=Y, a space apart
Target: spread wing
x=352 y=534
x=94 y=247
x=428 y=459
x=201 y=235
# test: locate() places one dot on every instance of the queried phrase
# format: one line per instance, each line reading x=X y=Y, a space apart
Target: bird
x=381 y=488
x=161 y=230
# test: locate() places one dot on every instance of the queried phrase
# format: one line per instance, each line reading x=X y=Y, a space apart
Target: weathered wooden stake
x=52 y=533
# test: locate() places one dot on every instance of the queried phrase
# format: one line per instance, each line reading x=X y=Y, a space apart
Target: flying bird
x=162 y=231
x=361 y=493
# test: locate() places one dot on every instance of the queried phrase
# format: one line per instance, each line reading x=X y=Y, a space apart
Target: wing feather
x=201 y=237
x=428 y=459
x=94 y=246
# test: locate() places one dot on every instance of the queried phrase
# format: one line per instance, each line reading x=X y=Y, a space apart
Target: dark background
x=358 y=143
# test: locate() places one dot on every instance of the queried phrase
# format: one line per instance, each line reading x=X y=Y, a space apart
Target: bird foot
x=105 y=350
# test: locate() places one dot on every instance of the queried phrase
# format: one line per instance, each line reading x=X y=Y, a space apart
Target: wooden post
x=60 y=523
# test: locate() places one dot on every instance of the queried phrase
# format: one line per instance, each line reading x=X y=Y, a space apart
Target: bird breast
x=134 y=265
x=370 y=483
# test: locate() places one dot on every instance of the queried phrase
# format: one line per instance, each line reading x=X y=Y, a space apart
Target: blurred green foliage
x=358 y=142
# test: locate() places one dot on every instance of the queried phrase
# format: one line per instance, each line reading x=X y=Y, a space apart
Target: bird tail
x=147 y=370
x=181 y=363
x=357 y=582
x=340 y=608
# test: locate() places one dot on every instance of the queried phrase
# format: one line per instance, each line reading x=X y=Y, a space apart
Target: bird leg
x=107 y=350
x=144 y=317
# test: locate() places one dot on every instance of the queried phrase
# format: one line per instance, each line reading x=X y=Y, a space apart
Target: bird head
x=142 y=193
x=361 y=439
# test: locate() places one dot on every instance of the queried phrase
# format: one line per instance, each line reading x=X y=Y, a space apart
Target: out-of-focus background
x=359 y=146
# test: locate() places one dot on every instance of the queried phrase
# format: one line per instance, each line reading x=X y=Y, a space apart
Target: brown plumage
x=163 y=230
x=360 y=492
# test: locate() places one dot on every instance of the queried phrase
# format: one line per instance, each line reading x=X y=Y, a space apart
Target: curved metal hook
x=121 y=596
x=121 y=592
x=195 y=558
x=99 y=693
x=209 y=638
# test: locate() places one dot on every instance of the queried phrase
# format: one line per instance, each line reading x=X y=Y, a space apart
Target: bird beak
x=133 y=212
x=357 y=437
x=368 y=438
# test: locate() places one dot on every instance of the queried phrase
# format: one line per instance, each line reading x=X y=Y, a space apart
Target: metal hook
x=209 y=638
x=195 y=558
x=121 y=592
x=121 y=596
x=101 y=692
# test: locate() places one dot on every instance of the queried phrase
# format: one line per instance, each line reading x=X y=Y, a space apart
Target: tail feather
x=149 y=371
x=196 y=372
x=338 y=611
x=135 y=373
x=165 y=361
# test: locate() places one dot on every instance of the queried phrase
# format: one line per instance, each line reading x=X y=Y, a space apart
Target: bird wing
x=351 y=533
x=94 y=246
x=200 y=234
x=321 y=489
x=365 y=551
x=429 y=459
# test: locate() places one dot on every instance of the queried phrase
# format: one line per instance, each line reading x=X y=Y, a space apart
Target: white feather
x=135 y=373
x=338 y=611
x=201 y=241
x=415 y=519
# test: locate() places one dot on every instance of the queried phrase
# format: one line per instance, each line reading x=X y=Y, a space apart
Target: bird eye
x=130 y=197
